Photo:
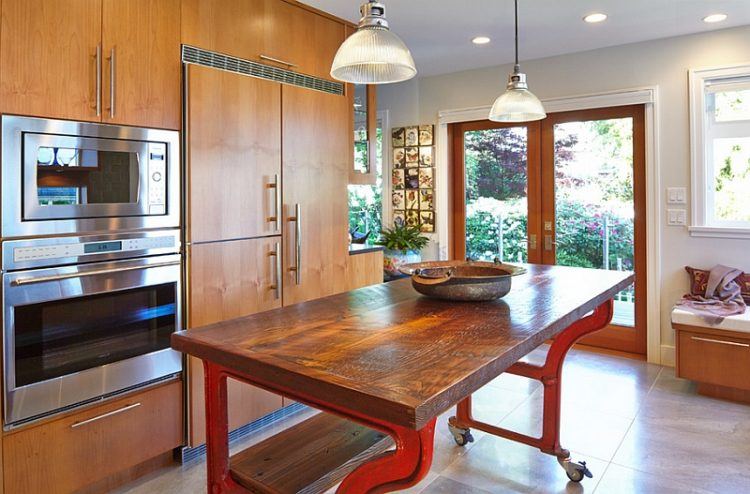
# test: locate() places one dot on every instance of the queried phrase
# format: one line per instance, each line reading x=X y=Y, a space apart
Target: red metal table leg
x=550 y=375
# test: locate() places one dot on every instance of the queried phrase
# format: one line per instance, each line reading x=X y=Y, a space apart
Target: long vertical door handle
x=98 y=102
x=112 y=82
x=276 y=286
x=276 y=218
x=297 y=268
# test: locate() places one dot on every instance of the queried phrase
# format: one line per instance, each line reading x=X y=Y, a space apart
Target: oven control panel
x=157 y=178
x=83 y=249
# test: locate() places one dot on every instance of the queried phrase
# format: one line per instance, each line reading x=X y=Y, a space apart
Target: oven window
x=71 y=176
x=57 y=338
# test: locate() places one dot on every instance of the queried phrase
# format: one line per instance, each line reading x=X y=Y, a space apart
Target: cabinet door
x=141 y=41
x=230 y=280
x=234 y=155
x=316 y=150
x=48 y=58
x=309 y=58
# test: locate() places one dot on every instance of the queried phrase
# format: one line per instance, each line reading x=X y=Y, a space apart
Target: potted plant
x=403 y=245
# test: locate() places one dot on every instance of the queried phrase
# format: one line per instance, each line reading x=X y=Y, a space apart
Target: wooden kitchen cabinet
x=316 y=164
x=141 y=48
x=326 y=35
x=80 y=449
x=233 y=155
x=56 y=60
x=48 y=58
x=230 y=280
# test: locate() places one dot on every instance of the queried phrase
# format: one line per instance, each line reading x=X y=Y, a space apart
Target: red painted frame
x=550 y=375
x=410 y=462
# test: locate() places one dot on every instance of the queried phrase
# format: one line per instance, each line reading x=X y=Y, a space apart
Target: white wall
x=663 y=63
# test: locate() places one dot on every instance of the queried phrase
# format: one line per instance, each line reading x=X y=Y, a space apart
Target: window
x=366 y=201
x=720 y=126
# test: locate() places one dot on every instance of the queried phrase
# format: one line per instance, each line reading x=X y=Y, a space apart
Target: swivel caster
x=575 y=471
x=462 y=437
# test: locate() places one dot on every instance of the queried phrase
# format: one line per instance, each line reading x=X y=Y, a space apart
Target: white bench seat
x=739 y=323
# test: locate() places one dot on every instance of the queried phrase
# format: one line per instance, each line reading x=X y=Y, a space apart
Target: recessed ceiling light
x=481 y=40
x=715 y=18
x=595 y=17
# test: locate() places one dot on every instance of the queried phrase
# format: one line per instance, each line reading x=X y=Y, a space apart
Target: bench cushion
x=739 y=323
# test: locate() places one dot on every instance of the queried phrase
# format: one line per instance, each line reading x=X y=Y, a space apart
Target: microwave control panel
x=62 y=251
x=157 y=178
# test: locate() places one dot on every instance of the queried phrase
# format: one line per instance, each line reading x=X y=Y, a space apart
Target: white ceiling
x=439 y=32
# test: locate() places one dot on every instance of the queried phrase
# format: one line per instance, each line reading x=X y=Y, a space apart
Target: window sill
x=719 y=232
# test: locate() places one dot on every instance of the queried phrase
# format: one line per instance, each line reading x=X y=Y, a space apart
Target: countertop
x=355 y=249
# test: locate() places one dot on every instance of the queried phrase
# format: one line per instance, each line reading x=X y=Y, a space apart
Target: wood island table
x=384 y=362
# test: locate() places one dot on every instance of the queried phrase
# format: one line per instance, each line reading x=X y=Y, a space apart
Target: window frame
x=701 y=162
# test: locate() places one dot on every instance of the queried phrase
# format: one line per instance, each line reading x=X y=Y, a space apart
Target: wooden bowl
x=461 y=280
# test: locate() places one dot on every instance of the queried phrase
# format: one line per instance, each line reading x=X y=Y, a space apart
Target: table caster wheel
x=462 y=437
x=576 y=471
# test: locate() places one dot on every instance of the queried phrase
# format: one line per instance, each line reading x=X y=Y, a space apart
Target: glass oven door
x=78 y=333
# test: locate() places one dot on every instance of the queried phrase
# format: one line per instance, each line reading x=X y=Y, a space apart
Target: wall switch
x=676 y=217
x=676 y=195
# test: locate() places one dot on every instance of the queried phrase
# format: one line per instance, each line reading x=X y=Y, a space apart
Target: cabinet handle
x=276 y=218
x=112 y=82
x=98 y=57
x=277 y=269
x=105 y=415
x=722 y=342
x=297 y=269
x=276 y=60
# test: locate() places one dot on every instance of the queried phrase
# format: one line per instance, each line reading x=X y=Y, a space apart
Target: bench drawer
x=714 y=359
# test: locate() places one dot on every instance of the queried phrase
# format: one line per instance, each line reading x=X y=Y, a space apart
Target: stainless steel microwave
x=63 y=177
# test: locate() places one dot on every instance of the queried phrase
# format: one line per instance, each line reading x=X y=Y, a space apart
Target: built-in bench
x=716 y=357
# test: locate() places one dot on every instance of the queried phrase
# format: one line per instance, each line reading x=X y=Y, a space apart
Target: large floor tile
x=621 y=480
x=444 y=485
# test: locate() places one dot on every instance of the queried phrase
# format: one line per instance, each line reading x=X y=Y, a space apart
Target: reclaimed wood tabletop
x=386 y=351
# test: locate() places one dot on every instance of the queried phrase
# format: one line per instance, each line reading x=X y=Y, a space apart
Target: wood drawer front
x=70 y=453
x=713 y=359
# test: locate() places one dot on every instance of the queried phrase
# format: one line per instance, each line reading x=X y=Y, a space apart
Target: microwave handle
x=67 y=276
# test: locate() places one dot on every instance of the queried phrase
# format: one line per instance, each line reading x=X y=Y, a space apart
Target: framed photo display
x=413 y=176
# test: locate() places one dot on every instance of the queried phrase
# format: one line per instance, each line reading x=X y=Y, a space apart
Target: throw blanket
x=722 y=297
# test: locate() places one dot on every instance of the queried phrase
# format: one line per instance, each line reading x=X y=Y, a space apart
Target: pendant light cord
x=516 y=68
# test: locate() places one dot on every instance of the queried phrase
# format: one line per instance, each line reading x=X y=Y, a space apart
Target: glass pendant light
x=517 y=103
x=373 y=54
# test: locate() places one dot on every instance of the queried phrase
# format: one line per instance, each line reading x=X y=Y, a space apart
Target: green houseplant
x=403 y=245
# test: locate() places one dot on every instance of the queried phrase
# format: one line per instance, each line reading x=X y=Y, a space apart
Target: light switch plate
x=676 y=217
x=676 y=195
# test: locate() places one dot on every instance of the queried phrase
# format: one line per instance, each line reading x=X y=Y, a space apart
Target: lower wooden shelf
x=310 y=457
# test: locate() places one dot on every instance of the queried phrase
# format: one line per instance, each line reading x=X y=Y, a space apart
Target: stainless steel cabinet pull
x=297 y=269
x=98 y=57
x=105 y=415
x=276 y=60
x=276 y=218
x=67 y=276
x=112 y=82
x=277 y=268
x=722 y=342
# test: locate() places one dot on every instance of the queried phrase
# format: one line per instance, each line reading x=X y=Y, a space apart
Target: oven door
x=77 y=334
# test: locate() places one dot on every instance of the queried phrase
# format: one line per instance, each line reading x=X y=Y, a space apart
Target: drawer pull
x=722 y=342
x=105 y=415
x=276 y=60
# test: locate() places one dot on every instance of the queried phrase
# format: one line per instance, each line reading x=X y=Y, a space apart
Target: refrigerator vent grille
x=199 y=56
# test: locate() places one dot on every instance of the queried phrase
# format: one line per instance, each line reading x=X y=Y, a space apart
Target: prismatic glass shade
x=517 y=105
x=373 y=55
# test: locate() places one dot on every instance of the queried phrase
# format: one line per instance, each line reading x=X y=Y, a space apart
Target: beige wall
x=663 y=63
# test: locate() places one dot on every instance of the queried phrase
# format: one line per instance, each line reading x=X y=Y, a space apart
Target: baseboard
x=668 y=355
x=188 y=454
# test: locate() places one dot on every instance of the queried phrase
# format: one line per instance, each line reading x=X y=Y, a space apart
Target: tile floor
x=640 y=430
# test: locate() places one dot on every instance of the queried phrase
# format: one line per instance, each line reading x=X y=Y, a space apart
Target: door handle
x=276 y=218
x=276 y=253
x=549 y=243
x=297 y=268
x=98 y=96
x=276 y=60
x=112 y=82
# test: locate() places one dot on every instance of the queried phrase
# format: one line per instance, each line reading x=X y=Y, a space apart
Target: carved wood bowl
x=467 y=281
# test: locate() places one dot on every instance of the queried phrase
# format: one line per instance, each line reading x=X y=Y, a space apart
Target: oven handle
x=67 y=276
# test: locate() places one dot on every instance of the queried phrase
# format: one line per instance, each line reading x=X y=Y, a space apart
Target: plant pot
x=394 y=259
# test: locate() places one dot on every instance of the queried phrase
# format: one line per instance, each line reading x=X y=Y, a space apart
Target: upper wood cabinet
x=57 y=59
x=234 y=156
x=48 y=64
x=273 y=32
x=141 y=49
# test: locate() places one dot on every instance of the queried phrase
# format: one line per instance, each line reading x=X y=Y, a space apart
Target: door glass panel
x=60 y=337
x=496 y=194
x=72 y=176
x=594 y=204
